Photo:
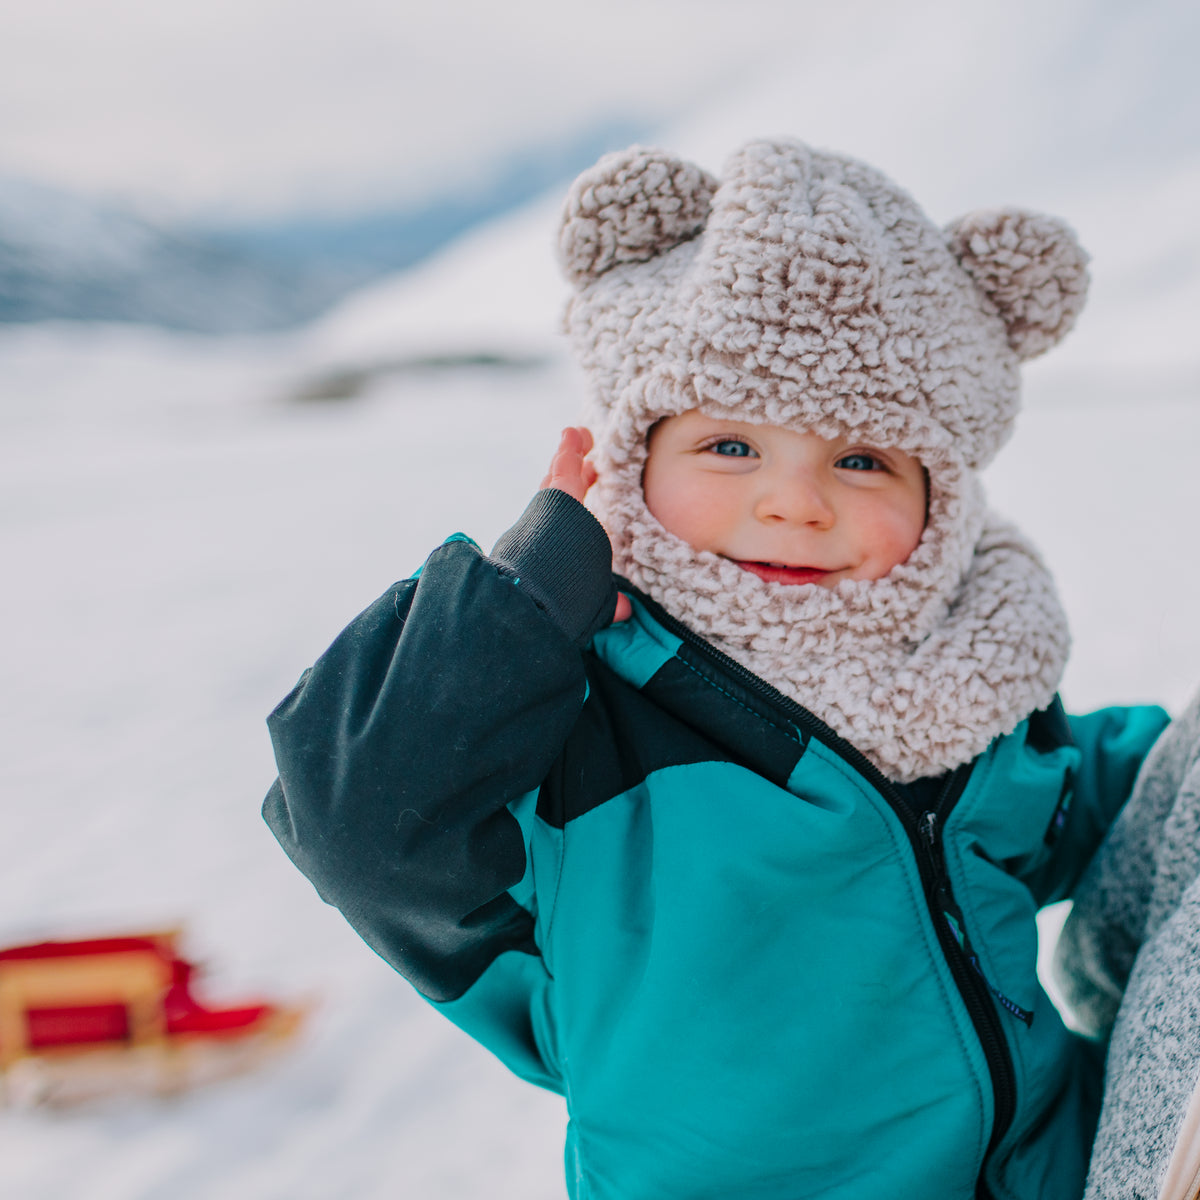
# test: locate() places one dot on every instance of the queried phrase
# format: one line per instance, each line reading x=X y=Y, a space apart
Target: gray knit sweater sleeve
x=1129 y=961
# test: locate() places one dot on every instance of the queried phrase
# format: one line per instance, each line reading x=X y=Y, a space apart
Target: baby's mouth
x=781 y=573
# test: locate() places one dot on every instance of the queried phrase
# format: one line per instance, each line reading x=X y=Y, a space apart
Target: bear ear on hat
x=629 y=207
x=1030 y=267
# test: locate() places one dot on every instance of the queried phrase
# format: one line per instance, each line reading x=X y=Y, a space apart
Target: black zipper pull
x=929 y=824
x=941 y=882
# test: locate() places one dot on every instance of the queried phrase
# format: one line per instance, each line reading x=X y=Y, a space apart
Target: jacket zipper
x=980 y=996
x=924 y=835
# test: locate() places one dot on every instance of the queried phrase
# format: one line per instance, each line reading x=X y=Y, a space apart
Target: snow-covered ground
x=180 y=537
x=179 y=542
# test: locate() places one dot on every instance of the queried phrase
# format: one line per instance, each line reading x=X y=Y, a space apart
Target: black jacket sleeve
x=399 y=750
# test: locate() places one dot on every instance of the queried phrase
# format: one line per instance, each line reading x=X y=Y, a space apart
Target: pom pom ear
x=1030 y=267
x=629 y=207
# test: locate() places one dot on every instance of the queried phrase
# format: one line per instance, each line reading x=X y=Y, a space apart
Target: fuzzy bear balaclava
x=804 y=289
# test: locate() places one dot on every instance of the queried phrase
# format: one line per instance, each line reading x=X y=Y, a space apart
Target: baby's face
x=790 y=507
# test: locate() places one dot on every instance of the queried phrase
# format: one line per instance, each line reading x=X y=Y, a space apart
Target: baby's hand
x=571 y=472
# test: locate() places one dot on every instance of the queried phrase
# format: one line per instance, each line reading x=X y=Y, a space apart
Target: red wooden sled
x=81 y=1019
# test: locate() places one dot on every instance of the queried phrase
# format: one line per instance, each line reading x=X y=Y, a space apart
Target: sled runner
x=82 y=1019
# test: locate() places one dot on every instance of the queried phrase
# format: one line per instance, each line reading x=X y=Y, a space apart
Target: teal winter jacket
x=647 y=880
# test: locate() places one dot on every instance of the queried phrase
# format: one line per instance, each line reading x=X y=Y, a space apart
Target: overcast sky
x=260 y=106
x=254 y=103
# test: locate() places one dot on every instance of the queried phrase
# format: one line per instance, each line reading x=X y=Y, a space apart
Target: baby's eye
x=732 y=448
x=860 y=462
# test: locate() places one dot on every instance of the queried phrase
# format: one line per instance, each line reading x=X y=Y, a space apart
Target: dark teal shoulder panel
x=684 y=713
x=754 y=732
x=399 y=751
x=621 y=737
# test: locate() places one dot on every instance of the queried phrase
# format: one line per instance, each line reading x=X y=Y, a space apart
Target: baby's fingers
x=568 y=470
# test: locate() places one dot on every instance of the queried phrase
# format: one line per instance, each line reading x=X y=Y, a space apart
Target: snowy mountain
x=64 y=256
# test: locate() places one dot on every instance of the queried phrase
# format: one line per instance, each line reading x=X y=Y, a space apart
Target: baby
x=741 y=851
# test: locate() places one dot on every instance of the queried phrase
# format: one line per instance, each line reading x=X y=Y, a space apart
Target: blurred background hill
x=67 y=255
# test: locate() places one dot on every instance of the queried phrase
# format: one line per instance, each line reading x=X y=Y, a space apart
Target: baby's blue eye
x=733 y=449
x=860 y=462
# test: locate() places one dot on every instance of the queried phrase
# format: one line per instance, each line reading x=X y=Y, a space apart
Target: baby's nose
x=796 y=499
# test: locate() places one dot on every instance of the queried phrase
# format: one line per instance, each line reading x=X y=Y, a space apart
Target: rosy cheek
x=880 y=534
x=674 y=514
x=660 y=499
x=897 y=535
x=687 y=508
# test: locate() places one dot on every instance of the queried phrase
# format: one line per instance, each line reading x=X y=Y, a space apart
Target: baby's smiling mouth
x=782 y=573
